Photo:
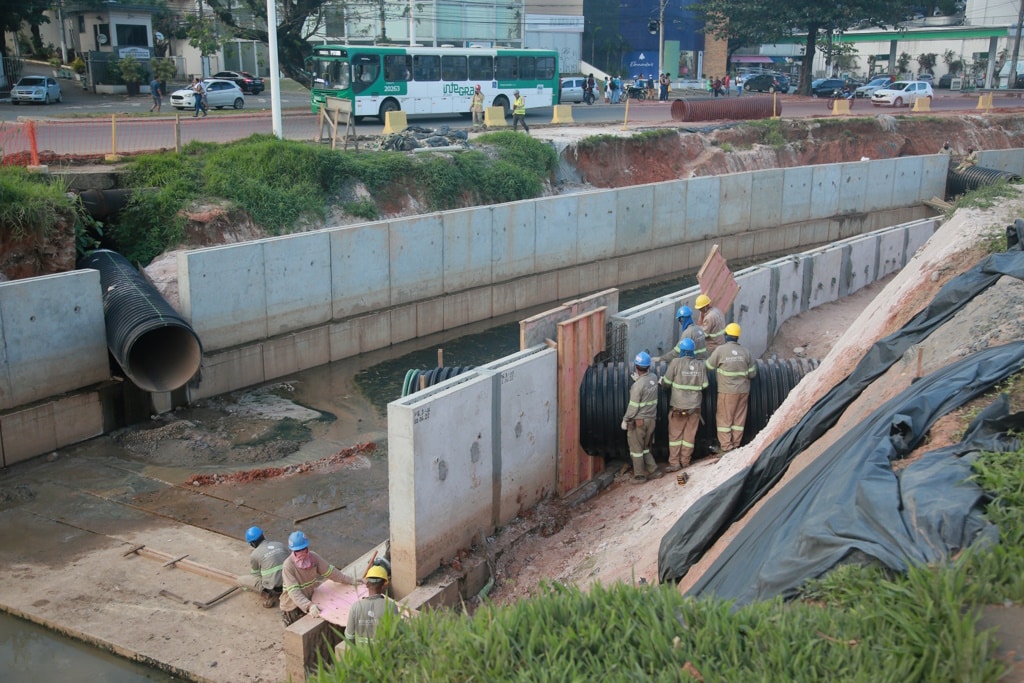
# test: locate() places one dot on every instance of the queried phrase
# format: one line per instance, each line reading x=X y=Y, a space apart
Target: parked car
x=871 y=86
x=945 y=81
x=902 y=93
x=44 y=89
x=571 y=90
x=824 y=87
x=245 y=80
x=766 y=83
x=219 y=94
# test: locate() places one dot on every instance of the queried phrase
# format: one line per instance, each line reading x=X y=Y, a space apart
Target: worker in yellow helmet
x=711 y=321
x=734 y=368
x=365 y=615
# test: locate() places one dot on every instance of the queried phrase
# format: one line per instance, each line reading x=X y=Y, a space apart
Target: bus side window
x=481 y=68
x=453 y=68
x=365 y=70
x=506 y=68
x=546 y=68
x=527 y=68
x=396 y=68
x=426 y=67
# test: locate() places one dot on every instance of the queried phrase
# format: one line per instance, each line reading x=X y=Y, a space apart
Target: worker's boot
x=639 y=476
x=270 y=599
x=652 y=467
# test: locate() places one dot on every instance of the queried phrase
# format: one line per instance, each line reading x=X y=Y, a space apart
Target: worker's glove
x=625 y=425
x=634 y=375
x=314 y=611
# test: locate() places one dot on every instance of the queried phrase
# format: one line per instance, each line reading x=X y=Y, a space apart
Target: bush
x=29 y=204
x=78 y=65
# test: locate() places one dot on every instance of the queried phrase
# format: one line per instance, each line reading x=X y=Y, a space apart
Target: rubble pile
x=417 y=137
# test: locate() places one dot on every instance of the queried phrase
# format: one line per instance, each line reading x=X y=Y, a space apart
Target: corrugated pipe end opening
x=164 y=358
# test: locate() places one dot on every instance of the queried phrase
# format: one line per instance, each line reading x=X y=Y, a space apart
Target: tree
x=954 y=63
x=902 y=62
x=927 y=61
x=13 y=13
x=741 y=23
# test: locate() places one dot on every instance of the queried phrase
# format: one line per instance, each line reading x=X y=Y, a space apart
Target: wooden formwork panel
x=717 y=281
x=580 y=340
x=538 y=328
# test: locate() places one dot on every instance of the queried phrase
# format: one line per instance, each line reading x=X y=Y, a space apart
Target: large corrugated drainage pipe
x=157 y=349
x=604 y=394
x=421 y=379
x=962 y=182
x=726 y=108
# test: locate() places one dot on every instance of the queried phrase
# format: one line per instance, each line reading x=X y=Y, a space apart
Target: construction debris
x=416 y=137
x=247 y=476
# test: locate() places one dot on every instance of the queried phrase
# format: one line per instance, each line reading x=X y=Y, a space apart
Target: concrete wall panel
x=514 y=240
x=767 y=195
x=853 y=186
x=557 y=232
x=753 y=308
x=797 y=182
x=467 y=248
x=344 y=338
x=466 y=307
x=918 y=233
x=1011 y=160
x=634 y=219
x=702 y=208
x=224 y=296
x=360 y=269
x=891 y=252
x=417 y=258
x=669 y=213
x=45 y=427
x=734 y=197
x=298 y=281
x=291 y=353
x=881 y=185
x=823 y=198
x=789 y=301
x=906 y=186
x=596 y=227
x=528 y=428
x=229 y=370
x=860 y=256
x=438 y=469
x=44 y=322
x=822 y=274
x=934 y=168
x=429 y=317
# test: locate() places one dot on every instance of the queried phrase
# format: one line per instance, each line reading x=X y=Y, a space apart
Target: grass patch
x=770 y=132
x=986 y=196
x=857 y=624
x=30 y=204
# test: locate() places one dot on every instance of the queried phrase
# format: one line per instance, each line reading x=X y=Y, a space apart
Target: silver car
x=572 y=90
x=44 y=89
x=871 y=86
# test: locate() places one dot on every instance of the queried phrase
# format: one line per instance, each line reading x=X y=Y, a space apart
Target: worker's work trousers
x=639 y=437
x=478 y=118
x=682 y=431
x=517 y=119
x=289 y=617
x=730 y=417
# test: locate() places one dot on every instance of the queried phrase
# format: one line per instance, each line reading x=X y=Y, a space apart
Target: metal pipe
x=726 y=108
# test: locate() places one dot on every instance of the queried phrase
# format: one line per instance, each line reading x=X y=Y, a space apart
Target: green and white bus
x=431 y=80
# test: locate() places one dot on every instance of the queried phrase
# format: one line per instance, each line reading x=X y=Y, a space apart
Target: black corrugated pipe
x=151 y=342
x=962 y=182
x=604 y=394
x=412 y=381
x=104 y=203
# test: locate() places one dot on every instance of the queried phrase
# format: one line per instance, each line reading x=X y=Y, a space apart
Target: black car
x=824 y=87
x=245 y=80
x=766 y=83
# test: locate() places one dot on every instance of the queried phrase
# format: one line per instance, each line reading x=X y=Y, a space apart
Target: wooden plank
x=717 y=281
x=189 y=566
x=175 y=560
x=535 y=329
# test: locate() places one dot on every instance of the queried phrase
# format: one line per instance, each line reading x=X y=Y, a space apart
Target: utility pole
x=1012 y=82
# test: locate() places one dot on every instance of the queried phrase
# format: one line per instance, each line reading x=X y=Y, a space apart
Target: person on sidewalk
x=266 y=563
x=302 y=572
x=519 y=112
x=686 y=378
x=156 y=90
x=712 y=321
x=199 y=98
x=735 y=368
x=638 y=422
x=688 y=330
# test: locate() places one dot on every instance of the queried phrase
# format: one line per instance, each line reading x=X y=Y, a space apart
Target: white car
x=902 y=93
x=219 y=94
x=43 y=89
x=869 y=88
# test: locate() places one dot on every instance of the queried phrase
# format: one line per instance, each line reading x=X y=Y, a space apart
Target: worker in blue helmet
x=641 y=415
x=686 y=378
x=303 y=571
x=266 y=562
x=688 y=330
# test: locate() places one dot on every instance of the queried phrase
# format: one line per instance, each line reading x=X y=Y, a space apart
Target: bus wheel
x=386 y=106
x=502 y=101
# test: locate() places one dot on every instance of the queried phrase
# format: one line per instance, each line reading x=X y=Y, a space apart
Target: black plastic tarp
x=707 y=519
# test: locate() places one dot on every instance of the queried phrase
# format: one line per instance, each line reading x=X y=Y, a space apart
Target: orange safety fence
x=53 y=141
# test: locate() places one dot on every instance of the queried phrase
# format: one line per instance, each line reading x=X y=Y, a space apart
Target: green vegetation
x=987 y=196
x=857 y=624
x=280 y=182
x=770 y=131
x=30 y=204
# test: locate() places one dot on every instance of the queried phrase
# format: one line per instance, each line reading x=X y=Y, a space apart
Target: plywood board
x=580 y=339
x=543 y=326
x=717 y=281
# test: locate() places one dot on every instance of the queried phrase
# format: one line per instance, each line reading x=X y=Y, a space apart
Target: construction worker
x=364 y=616
x=689 y=331
x=302 y=572
x=519 y=112
x=711 y=321
x=970 y=160
x=638 y=422
x=476 y=105
x=735 y=368
x=266 y=561
x=686 y=378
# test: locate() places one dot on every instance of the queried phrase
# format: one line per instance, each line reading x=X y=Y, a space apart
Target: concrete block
x=561 y=113
x=822 y=271
x=226 y=371
x=395 y=122
x=514 y=240
x=891 y=252
x=417 y=260
x=634 y=219
x=343 y=338
x=597 y=215
x=526 y=464
x=882 y=183
x=475 y=575
x=438 y=469
x=223 y=294
x=494 y=117
x=734 y=200
x=305 y=641
x=853 y=186
x=933 y=176
x=360 y=269
x=669 y=212
x=557 y=232
x=467 y=248
x=429 y=316
x=28 y=433
x=673 y=259
x=77 y=417
x=754 y=308
x=503 y=298
x=797 y=183
x=291 y=353
x=859 y=270
x=466 y=307
x=376 y=331
x=766 y=198
x=918 y=233
x=433 y=595
x=569 y=283
x=593 y=277
x=635 y=267
x=402 y=324
x=826 y=186
x=44 y=321
x=536 y=290
x=702 y=208
x=789 y=302
x=763 y=242
x=906 y=187
x=298 y=281
x=744 y=246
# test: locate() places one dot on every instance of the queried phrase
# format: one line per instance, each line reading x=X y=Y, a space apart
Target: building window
x=132 y=34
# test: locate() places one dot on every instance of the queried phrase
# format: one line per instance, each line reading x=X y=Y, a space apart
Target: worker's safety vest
x=519 y=107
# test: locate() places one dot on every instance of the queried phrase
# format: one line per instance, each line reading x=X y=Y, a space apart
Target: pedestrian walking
x=640 y=417
x=686 y=378
x=735 y=368
x=199 y=97
x=156 y=90
x=519 y=112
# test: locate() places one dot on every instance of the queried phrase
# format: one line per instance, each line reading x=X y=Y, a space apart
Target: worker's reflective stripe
x=312 y=582
x=686 y=444
x=643 y=404
x=676 y=443
x=636 y=455
x=741 y=373
x=723 y=429
x=737 y=428
x=271 y=570
x=696 y=351
x=714 y=334
x=688 y=387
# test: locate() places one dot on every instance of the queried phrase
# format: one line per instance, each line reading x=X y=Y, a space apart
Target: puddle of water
x=30 y=653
